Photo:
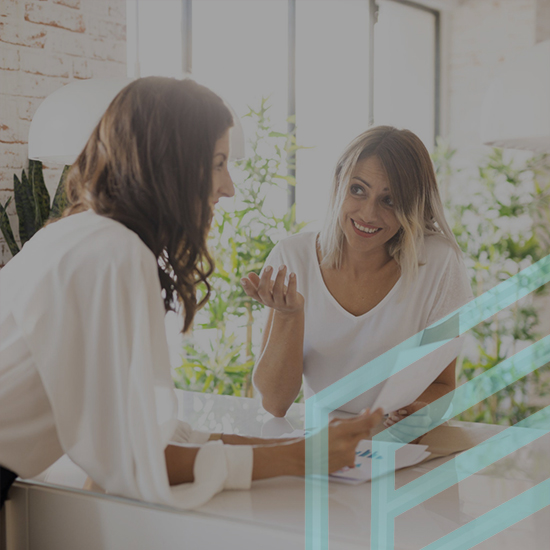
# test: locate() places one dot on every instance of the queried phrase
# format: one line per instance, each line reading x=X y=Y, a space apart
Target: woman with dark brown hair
x=84 y=362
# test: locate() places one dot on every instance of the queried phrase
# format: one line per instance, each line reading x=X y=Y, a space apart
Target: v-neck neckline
x=335 y=302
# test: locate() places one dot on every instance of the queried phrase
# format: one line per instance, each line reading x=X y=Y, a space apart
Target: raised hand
x=274 y=294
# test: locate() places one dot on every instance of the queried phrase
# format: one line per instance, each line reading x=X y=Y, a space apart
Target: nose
x=369 y=210
x=228 y=187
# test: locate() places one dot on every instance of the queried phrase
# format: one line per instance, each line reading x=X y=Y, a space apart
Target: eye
x=388 y=201
x=356 y=189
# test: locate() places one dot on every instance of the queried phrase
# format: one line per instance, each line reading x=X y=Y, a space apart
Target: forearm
x=268 y=461
x=232 y=439
x=279 y=460
x=434 y=391
x=278 y=373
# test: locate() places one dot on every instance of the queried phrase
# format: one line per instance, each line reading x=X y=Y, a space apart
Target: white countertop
x=275 y=508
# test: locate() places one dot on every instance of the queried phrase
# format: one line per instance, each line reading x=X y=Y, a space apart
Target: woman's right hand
x=274 y=294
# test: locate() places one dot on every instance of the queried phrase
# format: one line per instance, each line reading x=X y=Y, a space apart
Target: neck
x=358 y=264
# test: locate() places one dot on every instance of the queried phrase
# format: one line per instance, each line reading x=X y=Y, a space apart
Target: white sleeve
x=275 y=259
x=185 y=434
x=103 y=359
x=453 y=291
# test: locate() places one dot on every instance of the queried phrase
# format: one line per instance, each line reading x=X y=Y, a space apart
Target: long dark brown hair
x=148 y=165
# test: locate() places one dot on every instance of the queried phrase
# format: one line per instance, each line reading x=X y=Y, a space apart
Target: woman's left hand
x=404 y=426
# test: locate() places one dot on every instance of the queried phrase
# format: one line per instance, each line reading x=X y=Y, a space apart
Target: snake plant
x=32 y=204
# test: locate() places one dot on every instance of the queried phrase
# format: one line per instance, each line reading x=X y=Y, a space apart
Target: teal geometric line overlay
x=388 y=503
x=496 y=520
x=319 y=406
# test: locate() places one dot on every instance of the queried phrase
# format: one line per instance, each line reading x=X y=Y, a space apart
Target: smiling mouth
x=366 y=230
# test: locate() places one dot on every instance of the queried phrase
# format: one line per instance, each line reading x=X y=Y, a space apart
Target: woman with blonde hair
x=384 y=267
x=84 y=364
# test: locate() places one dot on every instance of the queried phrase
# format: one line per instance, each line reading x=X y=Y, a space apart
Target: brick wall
x=45 y=44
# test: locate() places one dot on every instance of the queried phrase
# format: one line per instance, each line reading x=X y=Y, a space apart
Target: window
x=405 y=69
x=240 y=48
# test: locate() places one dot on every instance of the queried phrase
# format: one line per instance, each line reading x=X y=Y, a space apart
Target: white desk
x=270 y=516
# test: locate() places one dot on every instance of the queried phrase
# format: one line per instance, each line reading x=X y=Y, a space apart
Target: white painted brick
x=60 y=41
x=9 y=58
x=22 y=34
x=82 y=68
x=13 y=155
x=55 y=16
x=75 y=4
x=6 y=179
x=104 y=28
x=9 y=82
x=10 y=9
x=26 y=107
x=45 y=64
x=17 y=132
x=30 y=85
x=9 y=121
x=106 y=69
x=97 y=7
x=117 y=10
x=108 y=50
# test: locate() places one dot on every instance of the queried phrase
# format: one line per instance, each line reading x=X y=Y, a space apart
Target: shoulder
x=103 y=241
x=440 y=253
x=84 y=245
x=298 y=242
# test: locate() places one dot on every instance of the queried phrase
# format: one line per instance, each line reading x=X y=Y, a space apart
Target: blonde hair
x=414 y=192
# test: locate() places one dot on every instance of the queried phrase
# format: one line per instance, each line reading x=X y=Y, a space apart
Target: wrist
x=279 y=460
x=296 y=315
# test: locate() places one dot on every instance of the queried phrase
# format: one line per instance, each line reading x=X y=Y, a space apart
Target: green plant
x=241 y=240
x=503 y=228
x=32 y=204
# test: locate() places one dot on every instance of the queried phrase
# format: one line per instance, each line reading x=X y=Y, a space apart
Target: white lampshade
x=516 y=110
x=64 y=121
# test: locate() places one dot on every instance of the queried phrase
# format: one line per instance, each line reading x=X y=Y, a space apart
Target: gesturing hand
x=274 y=294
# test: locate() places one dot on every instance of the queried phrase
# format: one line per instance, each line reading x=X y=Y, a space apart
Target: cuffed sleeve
x=239 y=459
x=185 y=434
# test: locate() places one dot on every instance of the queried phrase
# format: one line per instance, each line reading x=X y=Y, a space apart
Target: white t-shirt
x=84 y=367
x=337 y=342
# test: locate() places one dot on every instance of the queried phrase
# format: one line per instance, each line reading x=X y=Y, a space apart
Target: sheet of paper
x=406 y=385
x=408 y=455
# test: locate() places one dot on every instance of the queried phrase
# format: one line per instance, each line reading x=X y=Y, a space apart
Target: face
x=368 y=217
x=222 y=185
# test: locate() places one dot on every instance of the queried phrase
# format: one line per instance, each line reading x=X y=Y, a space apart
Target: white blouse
x=337 y=342
x=85 y=370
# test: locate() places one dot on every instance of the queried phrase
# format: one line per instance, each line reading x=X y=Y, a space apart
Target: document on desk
x=408 y=455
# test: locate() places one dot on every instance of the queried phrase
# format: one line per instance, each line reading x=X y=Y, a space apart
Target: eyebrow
x=366 y=183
